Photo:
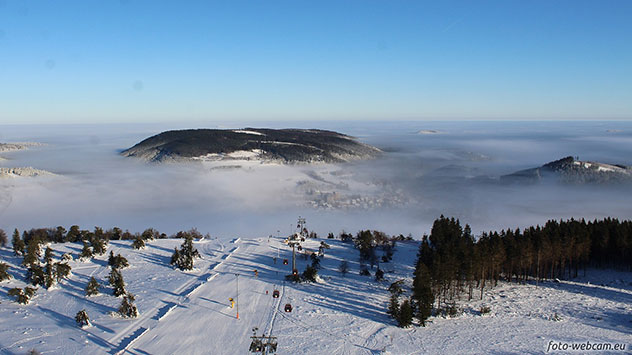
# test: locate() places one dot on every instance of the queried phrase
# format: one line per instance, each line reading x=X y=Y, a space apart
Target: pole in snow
x=237 y=298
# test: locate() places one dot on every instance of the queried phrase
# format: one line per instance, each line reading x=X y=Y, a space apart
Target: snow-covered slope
x=189 y=312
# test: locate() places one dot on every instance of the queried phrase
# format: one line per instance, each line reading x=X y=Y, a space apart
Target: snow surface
x=189 y=312
x=249 y=132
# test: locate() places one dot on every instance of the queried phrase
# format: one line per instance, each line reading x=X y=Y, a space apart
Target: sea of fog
x=427 y=169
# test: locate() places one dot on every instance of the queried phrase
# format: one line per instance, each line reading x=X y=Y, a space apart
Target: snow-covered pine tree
x=18 y=243
x=111 y=258
x=99 y=245
x=117 y=282
x=119 y=262
x=4 y=272
x=35 y=274
x=379 y=274
x=396 y=290
x=405 y=317
x=49 y=279
x=62 y=270
x=128 y=308
x=423 y=297
x=82 y=319
x=393 y=306
x=23 y=296
x=139 y=243
x=175 y=257
x=183 y=259
x=86 y=251
x=310 y=274
x=93 y=287
x=33 y=253
x=3 y=238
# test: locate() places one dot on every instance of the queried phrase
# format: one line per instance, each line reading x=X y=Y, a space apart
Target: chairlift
x=275 y=294
x=300 y=248
x=256 y=346
x=285 y=262
x=288 y=307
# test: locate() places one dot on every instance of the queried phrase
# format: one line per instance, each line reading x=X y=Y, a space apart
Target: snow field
x=189 y=312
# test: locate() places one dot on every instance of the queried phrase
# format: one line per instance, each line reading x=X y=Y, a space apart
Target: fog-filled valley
x=426 y=169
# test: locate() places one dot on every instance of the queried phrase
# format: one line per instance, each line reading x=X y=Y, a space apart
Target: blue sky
x=156 y=61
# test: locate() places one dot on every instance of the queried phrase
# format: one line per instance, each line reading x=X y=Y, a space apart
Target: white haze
x=420 y=177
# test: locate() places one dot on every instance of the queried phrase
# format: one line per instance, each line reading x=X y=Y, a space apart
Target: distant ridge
x=279 y=145
x=574 y=171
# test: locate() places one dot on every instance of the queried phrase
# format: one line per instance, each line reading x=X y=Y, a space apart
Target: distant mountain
x=280 y=145
x=23 y=172
x=571 y=170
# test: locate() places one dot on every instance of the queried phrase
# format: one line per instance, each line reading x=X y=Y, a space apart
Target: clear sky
x=143 y=61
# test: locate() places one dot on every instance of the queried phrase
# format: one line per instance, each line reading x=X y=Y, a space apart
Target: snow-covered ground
x=189 y=312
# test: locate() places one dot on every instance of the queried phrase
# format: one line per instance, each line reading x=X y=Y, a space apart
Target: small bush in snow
x=82 y=318
x=66 y=257
x=485 y=310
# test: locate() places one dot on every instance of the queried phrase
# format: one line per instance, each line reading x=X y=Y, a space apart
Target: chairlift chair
x=288 y=308
x=275 y=294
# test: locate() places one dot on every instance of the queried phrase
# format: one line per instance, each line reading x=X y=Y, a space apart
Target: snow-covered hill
x=189 y=312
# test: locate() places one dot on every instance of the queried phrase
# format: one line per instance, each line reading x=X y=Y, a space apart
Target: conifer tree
x=98 y=243
x=119 y=262
x=23 y=296
x=86 y=251
x=3 y=238
x=310 y=274
x=405 y=317
x=4 y=272
x=35 y=274
x=175 y=257
x=33 y=253
x=82 y=319
x=127 y=308
x=139 y=243
x=18 y=243
x=93 y=287
x=111 y=259
x=393 y=306
x=422 y=298
x=49 y=278
x=396 y=290
x=62 y=270
x=379 y=274
x=183 y=259
x=117 y=283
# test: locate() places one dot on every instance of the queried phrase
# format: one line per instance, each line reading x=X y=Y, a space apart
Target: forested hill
x=574 y=171
x=281 y=145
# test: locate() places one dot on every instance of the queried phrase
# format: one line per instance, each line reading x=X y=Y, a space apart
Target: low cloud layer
x=419 y=177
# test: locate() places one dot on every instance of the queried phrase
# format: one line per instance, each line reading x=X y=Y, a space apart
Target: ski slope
x=189 y=312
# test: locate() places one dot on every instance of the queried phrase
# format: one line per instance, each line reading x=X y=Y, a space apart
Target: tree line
x=451 y=262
